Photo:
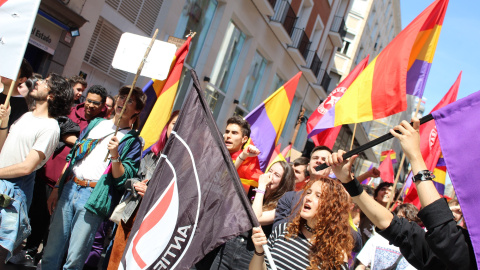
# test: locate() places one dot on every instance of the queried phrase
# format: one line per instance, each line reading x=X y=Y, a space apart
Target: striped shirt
x=291 y=254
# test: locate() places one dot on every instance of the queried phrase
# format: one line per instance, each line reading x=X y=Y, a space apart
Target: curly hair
x=62 y=93
x=332 y=238
x=287 y=183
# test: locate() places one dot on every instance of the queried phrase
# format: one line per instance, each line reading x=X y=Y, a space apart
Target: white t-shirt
x=380 y=255
x=93 y=165
x=27 y=133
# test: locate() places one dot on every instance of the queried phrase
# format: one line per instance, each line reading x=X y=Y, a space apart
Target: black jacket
x=444 y=246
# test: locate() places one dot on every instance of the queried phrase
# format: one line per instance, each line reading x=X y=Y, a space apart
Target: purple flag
x=458 y=127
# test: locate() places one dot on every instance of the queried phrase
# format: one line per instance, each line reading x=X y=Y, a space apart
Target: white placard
x=131 y=50
x=16 y=20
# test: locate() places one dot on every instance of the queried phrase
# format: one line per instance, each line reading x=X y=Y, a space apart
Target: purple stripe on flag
x=151 y=99
x=441 y=162
x=440 y=187
x=458 y=126
x=417 y=77
x=263 y=135
x=327 y=121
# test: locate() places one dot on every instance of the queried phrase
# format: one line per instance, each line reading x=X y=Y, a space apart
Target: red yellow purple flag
x=381 y=89
x=386 y=170
x=320 y=126
x=164 y=96
x=430 y=147
x=268 y=119
x=287 y=152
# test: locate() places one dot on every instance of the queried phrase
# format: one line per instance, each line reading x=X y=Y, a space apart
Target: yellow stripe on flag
x=356 y=104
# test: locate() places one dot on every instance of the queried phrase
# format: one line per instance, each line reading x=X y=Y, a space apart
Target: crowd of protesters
x=57 y=188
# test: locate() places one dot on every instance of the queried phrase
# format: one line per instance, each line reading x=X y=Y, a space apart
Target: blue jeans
x=25 y=184
x=71 y=224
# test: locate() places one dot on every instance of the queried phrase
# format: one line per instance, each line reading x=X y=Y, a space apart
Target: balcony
x=300 y=46
x=283 y=20
x=326 y=82
x=337 y=31
x=265 y=6
x=322 y=82
x=312 y=68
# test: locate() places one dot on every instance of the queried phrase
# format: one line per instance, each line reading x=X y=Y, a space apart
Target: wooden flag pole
x=403 y=188
x=353 y=136
x=139 y=70
x=400 y=166
x=9 y=94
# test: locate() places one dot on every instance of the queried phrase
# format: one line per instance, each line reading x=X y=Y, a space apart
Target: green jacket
x=106 y=193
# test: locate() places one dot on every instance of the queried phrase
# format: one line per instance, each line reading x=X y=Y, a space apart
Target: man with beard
x=47 y=176
x=29 y=144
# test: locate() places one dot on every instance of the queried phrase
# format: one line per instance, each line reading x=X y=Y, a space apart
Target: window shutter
x=102 y=47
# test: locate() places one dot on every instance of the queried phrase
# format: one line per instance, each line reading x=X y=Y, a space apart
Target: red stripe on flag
x=2 y=2
x=150 y=221
x=291 y=86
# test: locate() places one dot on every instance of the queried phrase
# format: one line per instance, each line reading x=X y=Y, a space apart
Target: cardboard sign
x=16 y=20
x=131 y=50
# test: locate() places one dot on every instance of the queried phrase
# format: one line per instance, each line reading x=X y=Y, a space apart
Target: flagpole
x=353 y=136
x=403 y=188
x=400 y=166
x=139 y=70
x=371 y=144
x=9 y=94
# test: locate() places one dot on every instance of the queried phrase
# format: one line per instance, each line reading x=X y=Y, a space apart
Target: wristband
x=353 y=187
x=240 y=157
x=56 y=186
x=4 y=128
x=259 y=190
x=258 y=253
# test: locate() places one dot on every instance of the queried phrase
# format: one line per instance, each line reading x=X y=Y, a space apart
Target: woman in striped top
x=317 y=238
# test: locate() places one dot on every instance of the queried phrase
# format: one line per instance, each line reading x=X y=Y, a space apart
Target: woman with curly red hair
x=318 y=237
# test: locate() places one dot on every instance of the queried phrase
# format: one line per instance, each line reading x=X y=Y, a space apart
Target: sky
x=455 y=49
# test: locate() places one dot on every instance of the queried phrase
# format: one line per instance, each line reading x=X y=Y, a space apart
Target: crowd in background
x=55 y=135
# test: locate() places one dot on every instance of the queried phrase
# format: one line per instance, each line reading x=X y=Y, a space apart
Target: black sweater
x=444 y=246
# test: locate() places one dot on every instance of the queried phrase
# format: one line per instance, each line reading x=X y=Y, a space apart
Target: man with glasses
x=25 y=148
x=82 y=114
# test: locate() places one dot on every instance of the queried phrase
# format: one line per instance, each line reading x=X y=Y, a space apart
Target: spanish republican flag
x=268 y=119
x=162 y=94
x=400 y=69
x=316 y=122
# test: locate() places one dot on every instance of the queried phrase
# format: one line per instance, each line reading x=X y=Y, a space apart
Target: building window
x=344 y=49
x=390 y=35
x=224 y=67
x=252 y=81
x=387 y=12
x=227 y=57
x=196 y=16
x=359 y=56
x=377 y=43
x=102 y=47
x=374 y=31
x=371 y=17
x=142 y=13
x=276 y=83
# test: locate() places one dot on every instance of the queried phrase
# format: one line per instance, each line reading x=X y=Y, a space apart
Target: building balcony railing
x=325 y=81
x=300 y=42
x=313 y=62
x=338 y=26
x=284 y=14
